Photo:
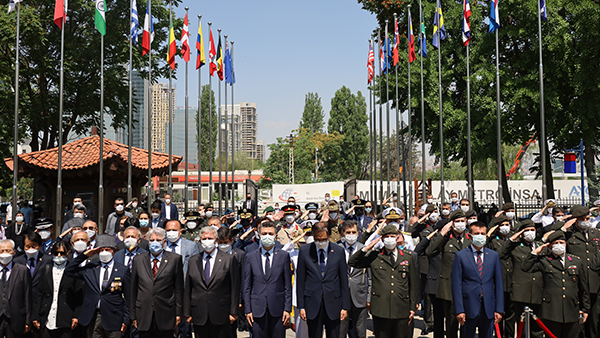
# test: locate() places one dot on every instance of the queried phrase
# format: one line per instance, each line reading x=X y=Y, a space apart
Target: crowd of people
x=323 y=268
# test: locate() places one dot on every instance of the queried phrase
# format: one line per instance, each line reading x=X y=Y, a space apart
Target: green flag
x=100 y=18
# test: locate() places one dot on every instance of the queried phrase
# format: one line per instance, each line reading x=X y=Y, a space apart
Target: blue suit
x=478 y=297
x=120 y=255
x=174 y=214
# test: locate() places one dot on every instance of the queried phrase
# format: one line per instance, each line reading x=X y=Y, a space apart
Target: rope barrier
x=539 y=322
x=497 y=330
x=520 y=326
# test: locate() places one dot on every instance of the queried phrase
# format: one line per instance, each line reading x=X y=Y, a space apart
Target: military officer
x=310 y=216
x=191 y=229
x=565 y=297
x=395 y=278
x=287 y=229
x=526 y=287
x=331 y=216
x=447 y=242
x=209 y=211
x=246 y=221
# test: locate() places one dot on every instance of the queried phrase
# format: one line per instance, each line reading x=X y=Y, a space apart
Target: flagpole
x=185 y=193
x=170 y=188
x=499 y=146
x=424 y=165
x=469 y=164
x=219 y=150
x=130 y=115
x=542 y=114
x=232 y=134
x=150 y=189
x=210 y=131
x=439 y=33
x=58 y=217
x=387 y=103
x=370 y=123
x=380 y=125
x=199 y=193
x=374 y=129
x=398 y=135
x=101 y=133
x=16 y=129
x=409 y=210
x=226 y=135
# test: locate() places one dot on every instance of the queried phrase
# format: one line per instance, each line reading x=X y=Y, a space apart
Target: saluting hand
x=517 y=235
x=540 y=248
x=92 y=252
x=569 y=224
x=446 y=228
x=422 y=219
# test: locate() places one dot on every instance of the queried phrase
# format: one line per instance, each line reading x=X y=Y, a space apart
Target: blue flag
x=543 y=10
x=229 y=74
x=439 y=30
x=422 y=41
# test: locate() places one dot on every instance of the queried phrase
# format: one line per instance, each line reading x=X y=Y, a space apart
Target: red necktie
x=154 y=267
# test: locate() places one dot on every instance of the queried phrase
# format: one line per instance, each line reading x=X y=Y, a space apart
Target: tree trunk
x=550 y=181
x=505 y=192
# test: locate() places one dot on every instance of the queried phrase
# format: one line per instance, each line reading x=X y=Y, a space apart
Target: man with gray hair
x=15 y=293
x=131 y=240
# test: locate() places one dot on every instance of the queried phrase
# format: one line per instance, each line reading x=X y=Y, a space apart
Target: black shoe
x=425 y=331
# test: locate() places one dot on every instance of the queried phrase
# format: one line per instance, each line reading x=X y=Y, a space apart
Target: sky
x=282 y=50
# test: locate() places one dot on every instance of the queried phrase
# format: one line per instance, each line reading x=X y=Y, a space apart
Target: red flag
x=59 y=13
x=212 y=55
x=370 y=63
x=185 y=36
x=412 y=56
x=396 y=43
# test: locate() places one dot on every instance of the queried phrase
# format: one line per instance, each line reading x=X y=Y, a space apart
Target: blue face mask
x=368 y=209
x=143 y=223
x=155 y=247
x=401 y=247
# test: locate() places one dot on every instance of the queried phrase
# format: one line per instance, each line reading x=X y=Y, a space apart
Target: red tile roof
x=84 y=153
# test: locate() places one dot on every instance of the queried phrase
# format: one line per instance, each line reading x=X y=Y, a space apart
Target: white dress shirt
x=9 y=267
x=475 y=253
x=213 y=256
x=57 y=273
x=264 y=258
x=177 y=246
x=152 y=258
x=326 y=251
x=102 y=269
x=168 y=211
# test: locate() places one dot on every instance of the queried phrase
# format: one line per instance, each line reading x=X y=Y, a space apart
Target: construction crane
x=519 y=157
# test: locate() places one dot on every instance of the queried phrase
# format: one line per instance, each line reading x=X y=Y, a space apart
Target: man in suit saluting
x=157 y=292
x=322 y=289
x=477 y=286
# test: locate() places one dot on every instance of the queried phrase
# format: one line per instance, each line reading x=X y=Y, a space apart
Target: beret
x=458 y=213
x=556 y=236
x=389 y=229
x=525 y=224
x=579 y=211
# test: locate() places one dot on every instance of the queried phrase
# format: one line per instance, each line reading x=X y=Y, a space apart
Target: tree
x=205 y=101
x=312 y=116
x=348 y=117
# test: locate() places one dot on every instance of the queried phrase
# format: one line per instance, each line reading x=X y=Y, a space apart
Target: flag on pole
x=466 y=27
x=100 y=17
x=219 y=60
x=386 y=53
x=439 y=30
x=494 y=16
x=370 y=64
x=148 y=31
x=411 y=41
x=543 y=12
x=172 y=46
x=185 y=36
x=135 y=24
x=381 y=58
x=212 y=55
x=201 y=59
x=396 y=42
x=422 y=41
x=12 y=5
x=60 y=13
x=229 y=74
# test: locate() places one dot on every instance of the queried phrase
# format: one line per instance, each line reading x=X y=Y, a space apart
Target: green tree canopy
x=312 y=116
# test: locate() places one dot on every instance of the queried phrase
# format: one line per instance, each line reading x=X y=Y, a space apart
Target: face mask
x=510 y=215
x=59 y=260
x=31 y=253
x=434 y=217
x=309 y=239
x=289 y=218
x=464 y=208
x=36 y=205
x=202 y=214
x=208 y=244
x=80 y=246
x=155 y=215
x=333 y=215
x=389 y=243
x=19 y=219
x=558 y=249
x=248 y=198
x=76 y=204
x=230 y=220
x=270 y=217
x=155 y=247
x=504 y=230
x=429 y=200
x=326 y=199
x=245 y=222
x=209 y=214
x=312 y=216
x=5 y=258
x=583 y=225
x=395 y=198
x=105 y=256
x=144 y=223
x=401 y=247
x=78 y=215
x=529 y=235
x=172 y=236
x=321 y=245
x=91 y=233
x=224 y=247
x=291 y=203
x=454 y=199
x=119 y=208
x=351 y=239
x=395 y=224
x=460 y=227
x=445 y=212
x=45 y=234
x=471 y=221
x=359 y=211
x=368 y=209
x=190 y=225
x=130 y=243
x=167 y=200
x=479 y=240
x=267 y=241
x=134 y=205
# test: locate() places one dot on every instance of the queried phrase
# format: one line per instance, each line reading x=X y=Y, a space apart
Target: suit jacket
x=161 y=295
x=526 y=287
x=19 y=297
x=161 y=222
x=366 y=219
x=359 y=280
x=495 y=243
x=114 y=303
x=434 y=265
x=174 y=213
x=142 y=245
x=70 y=298
x=120 y=255
x=214 y=300
x=312 y=288
x=578 y=245
x=253 y=206
x=41 y=261
x=447 y=246
x=272 y=291
x=188 y=249
x=469 y=288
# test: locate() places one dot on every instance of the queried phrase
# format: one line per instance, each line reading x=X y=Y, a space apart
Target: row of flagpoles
x=389 y=58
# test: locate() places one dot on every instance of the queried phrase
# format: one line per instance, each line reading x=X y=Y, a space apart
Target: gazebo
x=80 y=172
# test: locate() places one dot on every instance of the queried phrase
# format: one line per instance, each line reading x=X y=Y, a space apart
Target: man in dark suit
x=105 y=309
x=322 y=290
x=157 y=289
x=358 y=206
x=250 y=204
x=168 y=209
x=212 y=289
x=157 y=220
x=131 y=241
x=477 y=286
x=33 y=259
x=181 y=246
x=15 y=294
x=268 y=286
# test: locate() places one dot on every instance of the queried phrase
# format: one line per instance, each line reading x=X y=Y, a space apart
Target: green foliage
x=24 y=186
x=206 y=144
x=312 y=116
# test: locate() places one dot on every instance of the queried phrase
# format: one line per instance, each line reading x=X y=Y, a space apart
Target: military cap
x=556 y=236
x=311 y=206
x=245 y=213
x=106 y=241
x=430 y=208
x=333 y=206
x=269 y=209
x=191 y=215
x=458 y=213
x=389 y=229
x=43 y=223
x=470 y=213
x=358 y=203
x=550 y=203
x=597 y=203
x=392 y=213
x=208 y=205
x=579 y=211
x=134 y=199
x=508 y=206
x=498 y=220
x=227 y=212
x=289 y=209
x=525 y=224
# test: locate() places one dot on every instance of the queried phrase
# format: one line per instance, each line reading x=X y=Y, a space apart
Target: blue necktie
x=322 y=260
x=267 y=264
x=207 y=270
x=31 y=265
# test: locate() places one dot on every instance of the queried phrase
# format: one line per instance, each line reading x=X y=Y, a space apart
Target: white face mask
x=167 y=201
x=321 y=244
x=191 y=225
x=290 y=218
x=434 y=217
x=119 y=208
x=209 y=214
x=309 y=239
x=172 y=236
x=155 y=215
x=105 y=257
x=327 y=199
x=558 y=249
x=389 y=243
x=19 y=219
x=134 y=205
x=225 y=247
x=202 y=214
x=351 y=239
x=80 y=246
x=460 y=227
x=445 y=212
x=312 y=216
x=130 y=243
x=208 y=245
x=270 y=217
x=91 y=233
x=5 y=258
x=583 y=225
x=76 y=204
x=430 y=200
x=454 y=199
x=45 y=234
x=510 y=214
x=504 y=230
x=78 y=215
x=529 y=235
x=31 y=253
x=464 y=208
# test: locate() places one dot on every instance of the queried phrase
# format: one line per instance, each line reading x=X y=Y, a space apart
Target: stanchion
x=520 y=326
x=527 y=313
x=526 y=321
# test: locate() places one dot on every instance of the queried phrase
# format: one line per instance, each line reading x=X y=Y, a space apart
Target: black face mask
x=245 y=223
x=359 y=211
x=248 y=198
x=230 y=221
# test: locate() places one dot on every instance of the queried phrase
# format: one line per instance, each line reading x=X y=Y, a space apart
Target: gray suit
x=359 y=283
x=187 y=250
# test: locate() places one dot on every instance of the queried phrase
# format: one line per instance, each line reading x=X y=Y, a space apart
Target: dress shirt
x=152 y=258
x=46 y=245
x=393 y=254
x=249 y=204
x=168 y=211
x=348 y=253
x=213 y=255
x=326 y=251
x=264 y=258
x=9 y=267
x=110 y=267
x=177 y=246
x=57 y=273
x=127 y=257
x=475 y=253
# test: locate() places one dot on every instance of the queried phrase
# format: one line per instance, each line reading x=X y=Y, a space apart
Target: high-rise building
x=260 y=150
x=160 y=115
x=244 y=128
x=140 y=113
x=179 y=134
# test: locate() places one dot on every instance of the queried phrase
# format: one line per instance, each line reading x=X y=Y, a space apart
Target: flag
x=60 y=13
x=422 y=41
x=219 y=60
x=381 y=58
x=439 y=30
x=201 y=60
x=466 y=27
x=396 y=42
x=185 y=36
x=212 y=55
x=100 y=17
x=148 y=31
x=12 y=5
x=370 y=63
x=543 y=12
x=172 y=46
x=386 y=53
x=229 y=74
x=135 y=24
x=411 y=41
x=494 y=16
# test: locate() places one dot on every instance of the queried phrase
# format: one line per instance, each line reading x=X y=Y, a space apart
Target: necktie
x=31 y=265
x=267 y=264
x=130 y=261
x=392 y=258
x=105 y=278
x=154 y=267
x=4 y=273
x=350 y=251
x=479 y=264
x=322 y=260
x=207 y=270
x=173 y=246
